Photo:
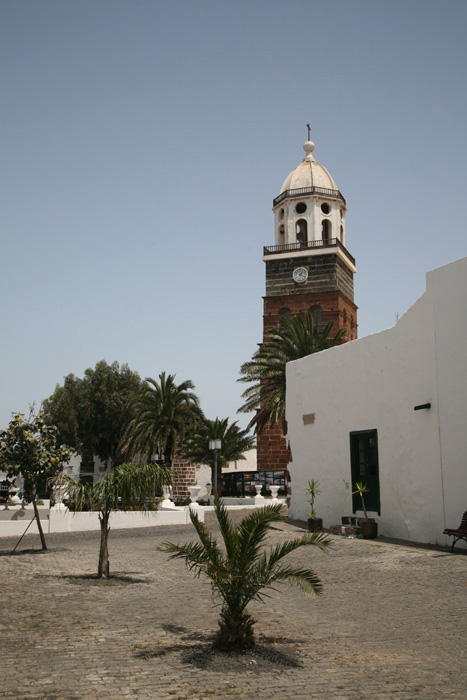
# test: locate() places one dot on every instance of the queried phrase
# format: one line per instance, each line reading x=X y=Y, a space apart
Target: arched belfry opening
x=301 y=231
x=326 y=228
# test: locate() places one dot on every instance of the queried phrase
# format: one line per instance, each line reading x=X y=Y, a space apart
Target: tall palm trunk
x=39 y=524
x=235 y=631
x=168 y=452
x=103 y=566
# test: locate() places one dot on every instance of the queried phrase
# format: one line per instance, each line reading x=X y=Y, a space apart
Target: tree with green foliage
x=126 y=485
x=295 y=338
x=241 y=570
x=29 y=449
x=92 y=413
x=163 y=414
x=235 y=442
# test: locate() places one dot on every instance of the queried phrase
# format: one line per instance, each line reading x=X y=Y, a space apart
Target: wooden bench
x=460 y=533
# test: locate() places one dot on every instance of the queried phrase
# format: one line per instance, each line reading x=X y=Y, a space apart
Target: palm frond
x=208 y=541
x=235 y=441
x=305 y=579
x=266 y=569
x=318 y=539
x=252 y=530
x=295 y=338
x=163 y=413
x=226 y=528
x=195 y=555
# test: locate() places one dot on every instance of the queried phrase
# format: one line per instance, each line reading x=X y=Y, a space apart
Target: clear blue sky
x=143 y=142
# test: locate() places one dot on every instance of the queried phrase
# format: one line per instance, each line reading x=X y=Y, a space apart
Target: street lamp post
x=215 y=446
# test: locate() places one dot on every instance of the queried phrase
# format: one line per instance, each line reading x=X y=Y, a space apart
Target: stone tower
x=308 y=268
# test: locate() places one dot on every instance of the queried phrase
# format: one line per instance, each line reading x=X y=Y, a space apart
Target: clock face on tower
x=300 y=275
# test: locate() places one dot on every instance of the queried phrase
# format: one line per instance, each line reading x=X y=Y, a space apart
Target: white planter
x=274 y=489
x=166 y=502
x=194 y=492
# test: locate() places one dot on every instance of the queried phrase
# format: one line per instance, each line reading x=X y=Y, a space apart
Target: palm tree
x=163 y=413
x=125 y=485
x=295 y=338
x=240 y=573
x=235 y=441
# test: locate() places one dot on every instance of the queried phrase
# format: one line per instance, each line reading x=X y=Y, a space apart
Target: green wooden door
x=365 y=467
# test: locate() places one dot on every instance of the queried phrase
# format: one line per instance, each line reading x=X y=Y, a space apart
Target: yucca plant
x=361 y=488
x=312 y=490
x=368 y=526
x=242 y=569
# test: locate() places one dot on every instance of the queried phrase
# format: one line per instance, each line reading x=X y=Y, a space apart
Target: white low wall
x=59 y=519
x=250 y=502
x=14 y=519
x=233 y=501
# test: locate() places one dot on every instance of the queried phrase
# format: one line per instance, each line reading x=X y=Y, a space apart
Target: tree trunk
x=235 y=632
x=103 y=568
x=39 y=525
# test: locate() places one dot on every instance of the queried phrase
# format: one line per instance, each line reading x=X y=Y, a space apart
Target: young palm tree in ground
x=241 y=571
x=295 y=338
x=164 y=412
x=126 y=485
x=235 y=441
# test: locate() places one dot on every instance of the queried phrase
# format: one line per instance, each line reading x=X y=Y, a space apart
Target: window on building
x=317 y=314
x=365 y=468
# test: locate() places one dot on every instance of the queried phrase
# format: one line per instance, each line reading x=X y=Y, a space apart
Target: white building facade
x=389 y=409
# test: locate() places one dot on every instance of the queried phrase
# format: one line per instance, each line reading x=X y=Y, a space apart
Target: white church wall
x=375 y=382
x=450 y=310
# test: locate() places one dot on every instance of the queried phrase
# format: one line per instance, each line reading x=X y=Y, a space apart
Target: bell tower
x=307 y=268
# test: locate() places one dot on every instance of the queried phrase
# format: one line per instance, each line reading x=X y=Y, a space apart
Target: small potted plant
x=314 y=523
x=368 y=526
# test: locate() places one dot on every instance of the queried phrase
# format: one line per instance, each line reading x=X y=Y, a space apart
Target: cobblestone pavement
x=390 y=624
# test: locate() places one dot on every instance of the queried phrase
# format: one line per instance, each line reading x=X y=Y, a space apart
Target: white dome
x=309 y=173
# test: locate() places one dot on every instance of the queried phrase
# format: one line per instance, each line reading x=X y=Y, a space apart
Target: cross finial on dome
x=309 y=131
